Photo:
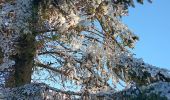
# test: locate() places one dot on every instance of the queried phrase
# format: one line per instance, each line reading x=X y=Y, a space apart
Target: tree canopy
x=78 y=45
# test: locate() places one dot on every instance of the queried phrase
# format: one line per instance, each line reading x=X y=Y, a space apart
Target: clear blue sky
x=151 y=22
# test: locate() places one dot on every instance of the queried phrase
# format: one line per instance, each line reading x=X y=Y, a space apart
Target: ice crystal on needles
x=76 y=43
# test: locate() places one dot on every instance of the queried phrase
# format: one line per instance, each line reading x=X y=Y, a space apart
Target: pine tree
x=78 y=45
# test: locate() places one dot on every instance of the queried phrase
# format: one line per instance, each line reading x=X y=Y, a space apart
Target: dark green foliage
x=149 y=94
x=1 y=56
x=140 y=1
x=36 y=2
x=130 y=2
x=152 y=96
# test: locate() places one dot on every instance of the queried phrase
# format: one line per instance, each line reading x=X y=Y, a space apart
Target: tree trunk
x=17 y=41
x=23 y=62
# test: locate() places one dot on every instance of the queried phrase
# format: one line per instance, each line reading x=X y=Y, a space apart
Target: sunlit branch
x=48 y=67
x=139 y=71
x=61 y=54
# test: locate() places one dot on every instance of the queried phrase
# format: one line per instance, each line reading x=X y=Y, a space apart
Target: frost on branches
x=80 y=48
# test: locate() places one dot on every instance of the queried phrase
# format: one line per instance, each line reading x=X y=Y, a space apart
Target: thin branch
x=48 y=67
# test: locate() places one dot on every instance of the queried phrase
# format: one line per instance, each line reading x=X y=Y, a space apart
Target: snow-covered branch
x=39 y=91
x=129 y=68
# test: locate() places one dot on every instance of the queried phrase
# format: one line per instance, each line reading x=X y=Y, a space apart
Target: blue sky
x=151 y=22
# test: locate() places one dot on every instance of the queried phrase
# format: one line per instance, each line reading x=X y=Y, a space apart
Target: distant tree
x=79 y=45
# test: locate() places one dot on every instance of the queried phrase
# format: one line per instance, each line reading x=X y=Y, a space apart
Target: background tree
x=77 y=43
